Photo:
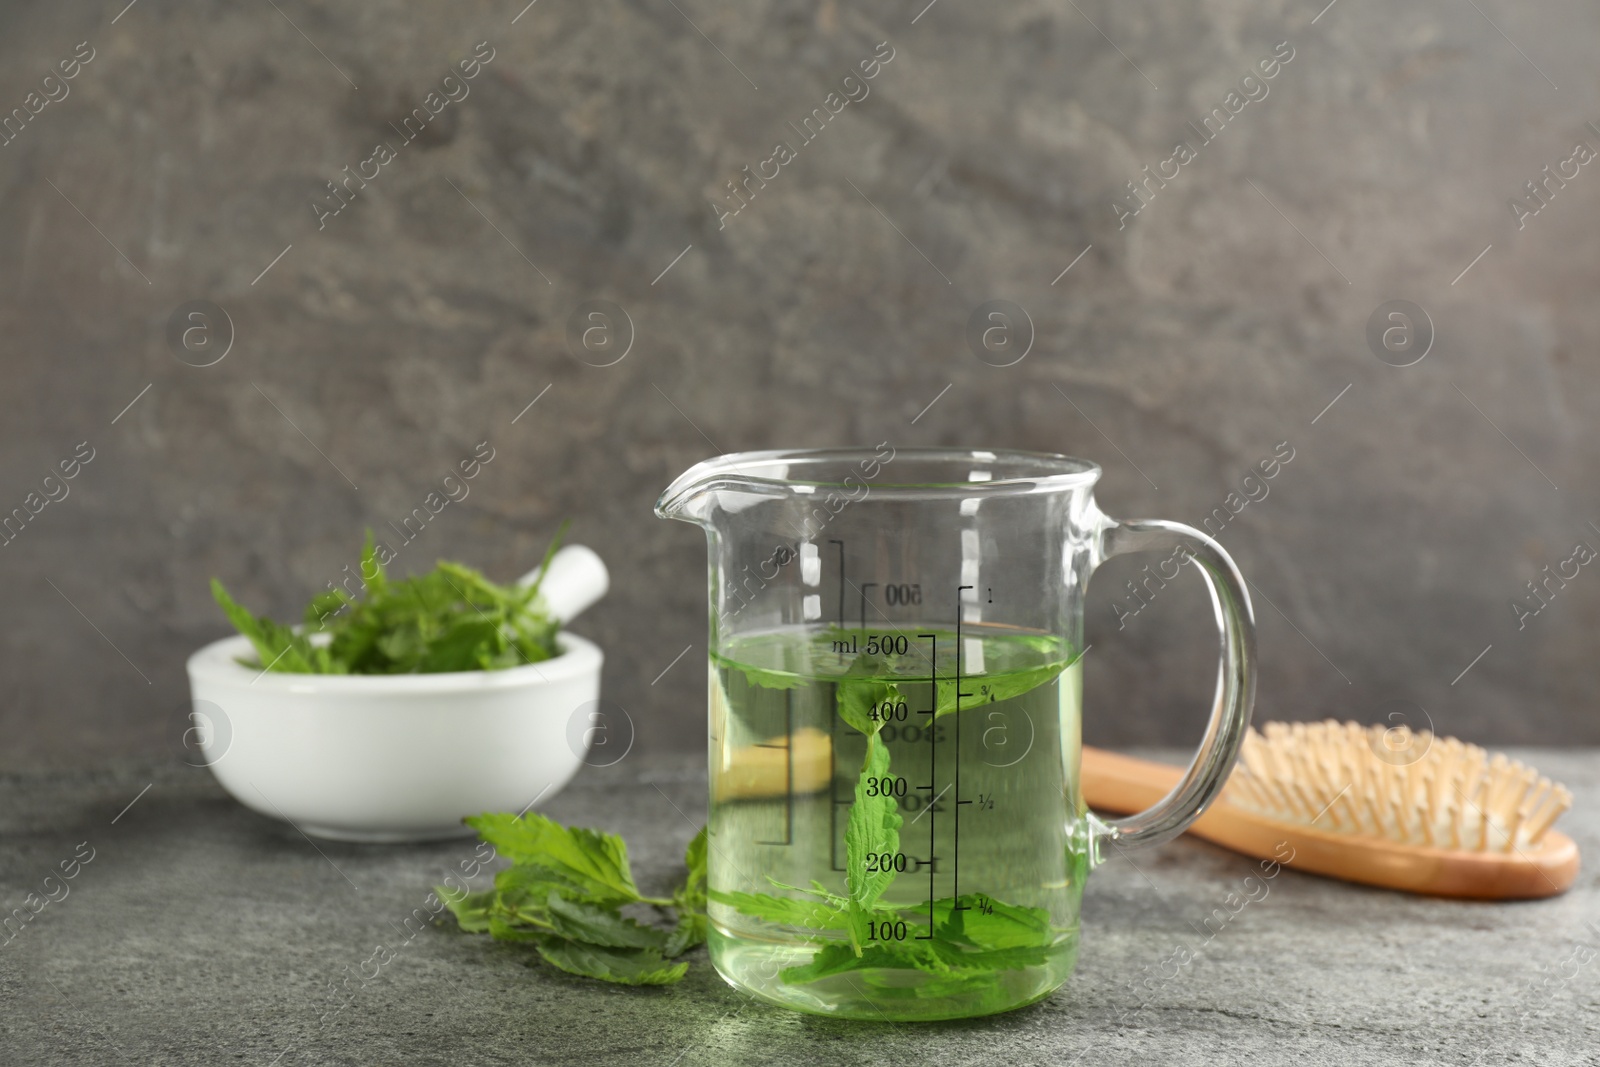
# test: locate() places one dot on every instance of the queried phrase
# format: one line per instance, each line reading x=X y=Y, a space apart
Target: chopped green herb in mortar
x=450 y=619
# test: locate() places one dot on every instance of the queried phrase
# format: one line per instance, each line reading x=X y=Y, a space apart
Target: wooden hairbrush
x=1386 y=807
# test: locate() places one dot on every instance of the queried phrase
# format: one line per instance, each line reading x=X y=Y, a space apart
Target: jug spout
x=732 y=483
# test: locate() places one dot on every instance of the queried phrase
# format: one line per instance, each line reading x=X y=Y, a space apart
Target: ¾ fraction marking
x=673 y=664
x=124 y=11
x=1332 y=402
x=674 y=263
x=924 y=11
x=532 y=402
x=99 y=631
x=143 y=791
x=1324 y=11
x=274 y=263
x=1074 y=263
x=132 y=402
x=1474 y=663
x=524 y=11
x=932 y=402
x=1474 y=262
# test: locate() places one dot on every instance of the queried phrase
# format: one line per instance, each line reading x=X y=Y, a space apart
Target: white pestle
x=577 y=579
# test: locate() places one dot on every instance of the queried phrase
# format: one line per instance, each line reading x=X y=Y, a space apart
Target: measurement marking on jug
x=863 y=591
x=833 y=541
x=955 y=873
x=788 y=770
x=933 y=764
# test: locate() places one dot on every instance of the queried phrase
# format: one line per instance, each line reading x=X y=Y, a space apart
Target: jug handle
x=1236 y=682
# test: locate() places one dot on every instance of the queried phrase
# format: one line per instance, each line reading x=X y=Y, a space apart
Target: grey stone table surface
x=198 y=932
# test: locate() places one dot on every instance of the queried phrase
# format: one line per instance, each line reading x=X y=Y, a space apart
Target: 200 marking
x=885 y=862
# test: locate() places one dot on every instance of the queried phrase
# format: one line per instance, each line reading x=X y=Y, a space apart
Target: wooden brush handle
x=1120 y=783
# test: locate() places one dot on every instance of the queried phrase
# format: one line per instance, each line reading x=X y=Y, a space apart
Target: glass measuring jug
x=896 y=829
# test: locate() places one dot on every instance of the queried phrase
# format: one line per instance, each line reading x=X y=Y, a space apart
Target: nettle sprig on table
x=564 y=895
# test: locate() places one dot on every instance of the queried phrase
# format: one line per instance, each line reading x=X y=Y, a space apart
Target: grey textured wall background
x=1223 y=319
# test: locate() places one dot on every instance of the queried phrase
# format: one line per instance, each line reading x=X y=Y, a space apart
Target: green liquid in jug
x=895 y=830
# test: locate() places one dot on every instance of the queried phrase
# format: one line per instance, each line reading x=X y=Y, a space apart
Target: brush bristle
x=1412 y=787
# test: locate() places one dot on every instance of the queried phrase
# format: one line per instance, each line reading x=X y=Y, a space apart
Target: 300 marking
x=887 y=786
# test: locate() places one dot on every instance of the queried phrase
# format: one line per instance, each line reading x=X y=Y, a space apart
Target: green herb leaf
x=858 y=697
x=986 y=923
x=626 y=966
x=578 y=921
x=788 y=911
x=587 y=863
x=693 y=891
x=470 y=909
x=873 y=830
x=690 y=931
x=990 y=691
x=690 y=899
x=278 y=647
